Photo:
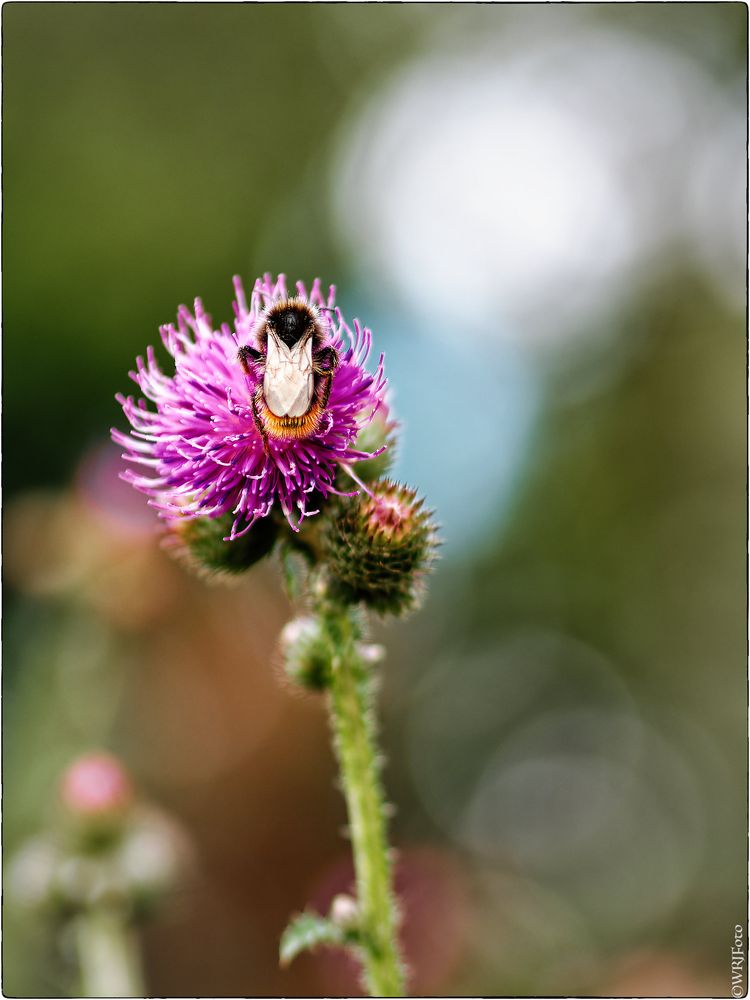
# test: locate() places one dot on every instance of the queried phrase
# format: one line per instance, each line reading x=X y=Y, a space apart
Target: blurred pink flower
x=96 y=786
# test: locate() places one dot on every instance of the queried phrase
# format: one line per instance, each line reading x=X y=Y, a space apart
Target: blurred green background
x=540 y=210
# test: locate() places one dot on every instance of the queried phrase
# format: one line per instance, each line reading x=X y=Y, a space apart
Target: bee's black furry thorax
x=290 y=321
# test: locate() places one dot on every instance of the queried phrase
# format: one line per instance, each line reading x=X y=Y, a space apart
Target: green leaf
x=307 y=931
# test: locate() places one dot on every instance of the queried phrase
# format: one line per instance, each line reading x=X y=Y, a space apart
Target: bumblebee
x=297 y=369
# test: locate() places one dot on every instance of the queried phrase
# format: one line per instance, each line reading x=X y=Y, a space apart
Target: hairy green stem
x=108 y=955
x=352 y=716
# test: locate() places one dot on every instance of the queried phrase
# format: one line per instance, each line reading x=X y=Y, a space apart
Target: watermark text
x=738 y=963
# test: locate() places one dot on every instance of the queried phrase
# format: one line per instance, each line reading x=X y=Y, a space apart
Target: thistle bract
x=204 y=448
x=379 y=546
x=200 y=543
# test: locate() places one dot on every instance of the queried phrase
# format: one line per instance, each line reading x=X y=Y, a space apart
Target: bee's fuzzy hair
x=293 y=302
x=300 y=304
x=289 y=427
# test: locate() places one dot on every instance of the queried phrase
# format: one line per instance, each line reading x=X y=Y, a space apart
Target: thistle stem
x=353 y=721
x=107 y=955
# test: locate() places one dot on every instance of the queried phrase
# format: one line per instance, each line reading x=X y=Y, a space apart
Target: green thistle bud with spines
x=379 y=547
x=200 y=543
x=306 y=652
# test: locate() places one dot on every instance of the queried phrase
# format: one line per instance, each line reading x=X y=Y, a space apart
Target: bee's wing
x=288 y=384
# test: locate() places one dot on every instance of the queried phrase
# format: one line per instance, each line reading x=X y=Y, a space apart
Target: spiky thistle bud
x=379 y=548
x=201 y=544
x=306 y=652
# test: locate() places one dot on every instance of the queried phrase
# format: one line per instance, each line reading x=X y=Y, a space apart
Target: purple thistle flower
x=214 y=447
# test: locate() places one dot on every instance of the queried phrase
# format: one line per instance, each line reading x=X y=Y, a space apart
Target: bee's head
x=291 y=320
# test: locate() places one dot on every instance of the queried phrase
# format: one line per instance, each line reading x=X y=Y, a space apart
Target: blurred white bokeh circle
x=520 y=190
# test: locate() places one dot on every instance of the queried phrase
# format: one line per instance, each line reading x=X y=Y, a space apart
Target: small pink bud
x=96 y=786
x=344 y=911
x=380 y=546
